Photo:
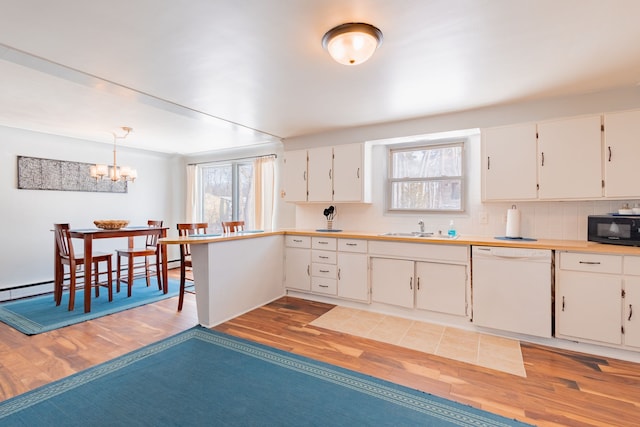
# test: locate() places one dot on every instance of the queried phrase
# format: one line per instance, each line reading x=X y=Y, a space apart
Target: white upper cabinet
x=621 y=154
x=320 y=169
x=509 y=169
x=328 y=174
x=570 y=158
x=295 y=176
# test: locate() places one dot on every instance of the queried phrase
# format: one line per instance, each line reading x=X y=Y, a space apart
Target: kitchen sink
x=413 y=234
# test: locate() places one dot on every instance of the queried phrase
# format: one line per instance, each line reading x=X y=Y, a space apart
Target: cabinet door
x=632 y=311
x=348 y=173
x=569 y=158
x=392 y=281
x=298 y=269
x=295 y=176
x=509 y=170
x=621 y=154
x=589 y=306
x=320 y=174
x=352 y=276
x=441 y=288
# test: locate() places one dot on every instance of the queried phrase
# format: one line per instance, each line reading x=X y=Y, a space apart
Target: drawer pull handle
x=323 y=243
x=352 y=244
x=323 y=286
x=630 y=312
x=411 y=283
x=339 y=277
x=563 y=303
x=323 y=257
x=324 y=271
x=590 y=262
x=308 y=272
x=418 y=283
x=297 y=240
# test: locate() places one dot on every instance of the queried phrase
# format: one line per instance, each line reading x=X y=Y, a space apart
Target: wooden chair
x=151 y=249
x=186 y=229
x=231 y=226
x=67 y=256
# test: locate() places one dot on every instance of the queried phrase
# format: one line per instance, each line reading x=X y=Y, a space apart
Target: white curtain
x=191 y=211
x=264 y=192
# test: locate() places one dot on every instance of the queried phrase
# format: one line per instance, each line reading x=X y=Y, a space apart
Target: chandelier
x=115 y=172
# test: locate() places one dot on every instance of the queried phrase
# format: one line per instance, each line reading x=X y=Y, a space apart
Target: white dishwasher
x=512 y=289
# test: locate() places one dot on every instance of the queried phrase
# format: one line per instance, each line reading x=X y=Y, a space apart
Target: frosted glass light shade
x=352 y=43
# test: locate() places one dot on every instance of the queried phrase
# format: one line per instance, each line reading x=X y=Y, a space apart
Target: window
x=240 y=190
x=426 y=178
x=226 y=190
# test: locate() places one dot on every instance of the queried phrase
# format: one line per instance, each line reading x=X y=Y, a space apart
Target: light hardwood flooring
x=561 y=387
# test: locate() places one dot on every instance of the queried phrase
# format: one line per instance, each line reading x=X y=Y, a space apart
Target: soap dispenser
x=452 y=230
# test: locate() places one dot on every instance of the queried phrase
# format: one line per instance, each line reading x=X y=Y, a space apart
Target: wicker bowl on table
x=111 y=224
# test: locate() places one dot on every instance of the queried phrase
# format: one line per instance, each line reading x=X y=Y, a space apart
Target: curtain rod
x=275 y=156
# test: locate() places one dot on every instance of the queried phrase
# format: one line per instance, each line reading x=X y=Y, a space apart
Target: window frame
x=235 y=185
x=426 y=145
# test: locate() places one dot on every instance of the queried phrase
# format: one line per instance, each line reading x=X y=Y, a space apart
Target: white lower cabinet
x=297 y=265
x=588 y=307
x=353 y=276
x=392 y=281
x=598 y=299
x=421 y=276
x=441 y=287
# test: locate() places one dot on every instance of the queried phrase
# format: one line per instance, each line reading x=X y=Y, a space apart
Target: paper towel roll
x=513 y=222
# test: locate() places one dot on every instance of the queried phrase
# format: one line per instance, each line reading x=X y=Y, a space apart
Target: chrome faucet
x=421 y=224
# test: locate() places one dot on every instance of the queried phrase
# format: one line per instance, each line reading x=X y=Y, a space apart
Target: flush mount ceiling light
x=352 y=43
x=115 y=172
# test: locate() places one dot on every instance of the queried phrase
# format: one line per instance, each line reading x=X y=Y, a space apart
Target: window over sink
x=426 y=177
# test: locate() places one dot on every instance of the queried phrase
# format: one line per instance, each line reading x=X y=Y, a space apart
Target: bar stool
x=187 y=229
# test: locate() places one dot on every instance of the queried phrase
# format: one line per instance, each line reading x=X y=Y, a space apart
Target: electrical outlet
x=483 y=218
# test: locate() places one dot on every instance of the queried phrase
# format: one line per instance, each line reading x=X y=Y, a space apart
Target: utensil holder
x=329 y=224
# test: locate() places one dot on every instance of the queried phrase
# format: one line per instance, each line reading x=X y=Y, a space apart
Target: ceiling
x=200 y=75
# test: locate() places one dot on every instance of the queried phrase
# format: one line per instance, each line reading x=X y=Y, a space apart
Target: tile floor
x=489 y=351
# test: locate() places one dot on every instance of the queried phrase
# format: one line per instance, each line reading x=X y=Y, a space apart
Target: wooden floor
x=561 y=388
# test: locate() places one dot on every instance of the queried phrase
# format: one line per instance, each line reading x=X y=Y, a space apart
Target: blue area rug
x=40 y=314
x=204 y=378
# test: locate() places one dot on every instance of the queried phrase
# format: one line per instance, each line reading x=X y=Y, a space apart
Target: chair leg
x=146 y=271
x=130 y=275
x=109 y=280
x=118 y=273
x=96 y=278
x=72 y=287
x=183 y=279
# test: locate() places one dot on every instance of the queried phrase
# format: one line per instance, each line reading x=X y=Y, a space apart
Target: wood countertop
x=553 y=244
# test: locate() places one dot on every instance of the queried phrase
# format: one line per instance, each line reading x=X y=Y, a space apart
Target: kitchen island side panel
x=233 y=277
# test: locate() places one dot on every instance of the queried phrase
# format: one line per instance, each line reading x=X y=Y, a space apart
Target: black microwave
x=614 y=229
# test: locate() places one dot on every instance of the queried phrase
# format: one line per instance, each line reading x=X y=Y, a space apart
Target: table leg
x=88 y=250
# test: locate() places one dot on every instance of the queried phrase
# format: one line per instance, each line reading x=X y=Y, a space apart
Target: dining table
x=88 y=235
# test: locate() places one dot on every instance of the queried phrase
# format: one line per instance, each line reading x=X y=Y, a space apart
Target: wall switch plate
x=483 y=218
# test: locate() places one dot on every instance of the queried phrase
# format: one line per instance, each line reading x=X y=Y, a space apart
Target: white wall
x=557 y=220
x=27 y=216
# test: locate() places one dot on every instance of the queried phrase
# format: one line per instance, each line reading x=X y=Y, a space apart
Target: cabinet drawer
x=323 y=270
x=325 y=243
x=352 y=245
x=595 y=263
x=631 y=265
x=324 y=286
x=298 y=241
x=324 y=257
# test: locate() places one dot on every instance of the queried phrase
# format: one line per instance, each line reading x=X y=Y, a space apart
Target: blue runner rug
x=202 y=377
x=40 y=314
